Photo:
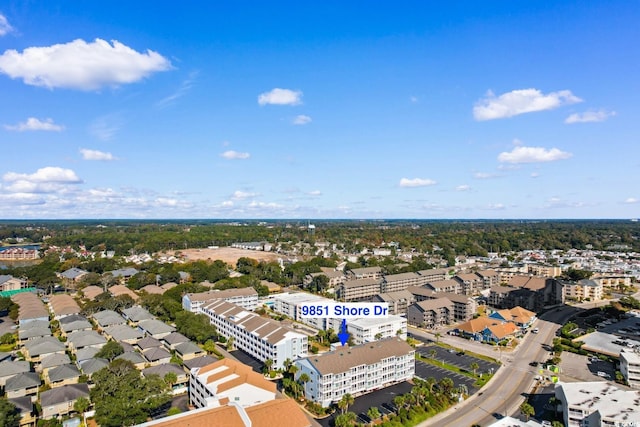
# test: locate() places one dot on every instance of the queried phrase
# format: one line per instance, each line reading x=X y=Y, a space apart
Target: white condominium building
x=363 y=330
x=228 y=381
x=261 y=337
x=597 y=404
x=356 y=370
x=630 y=367
x=244 y=297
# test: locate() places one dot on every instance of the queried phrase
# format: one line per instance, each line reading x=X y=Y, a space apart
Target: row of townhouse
x=246 y=298
x=356 y=370
x=263 y=338
x=362 y=330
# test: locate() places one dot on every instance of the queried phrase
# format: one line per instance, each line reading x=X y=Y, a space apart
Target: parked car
x=535 y=330
x=603 y=374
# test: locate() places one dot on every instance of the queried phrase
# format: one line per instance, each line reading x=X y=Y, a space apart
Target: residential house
x=147 y=343
x=30 y=308
x=157 y=356
x=59 y=402
x=521 y=317
x=23 y=384
x=93 y=365
x=63 y=305
x=118 y=290
x=72 y=276
x=188 y=350
x=152 y=290
x=36 y=349
x=62 y=375
x=107 y=318
x=134 y=357
x=82 y=339
x=10 y=283
x=33 y=330
x=356 y=370
x=136 y=314
x=123 y=333
x=155 y=328
x=53 y=361
x=124 y=274
x=197 y=362
x=173 y=339
x=11 y=368
x=74 y=323
x=24 y=405
x=91 y=292
x=86 y=353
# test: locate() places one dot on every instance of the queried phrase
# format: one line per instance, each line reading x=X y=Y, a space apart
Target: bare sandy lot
x=228 y=255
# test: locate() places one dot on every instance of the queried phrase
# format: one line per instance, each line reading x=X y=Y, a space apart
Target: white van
x=535 y=330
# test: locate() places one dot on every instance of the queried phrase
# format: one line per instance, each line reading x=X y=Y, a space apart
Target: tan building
x=431 y=314
x=401 y=281
x=544 y=270
x=358 y=289
x=583 y=290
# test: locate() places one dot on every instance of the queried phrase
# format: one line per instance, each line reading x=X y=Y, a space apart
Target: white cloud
x=416 y=182
x=279 y=96
x=534 y=174
x=106 y=127
x=485 y=175
x=35 y=124
x=495 y=207
x=315 y=193
x=81 y=65
x=47 y=174
x=589 y=117
x=5 y=27
x=463 y=187
x=632 y=200
x=519 y=102
x=533 y=155
x=301 y=120
x=241 y=195
x=234 y=155
x=96 y=155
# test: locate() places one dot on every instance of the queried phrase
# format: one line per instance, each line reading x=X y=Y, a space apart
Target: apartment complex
x=362 y=330
x=261 y=337
x=356 y=370
x=582 y=290
x=401 y=281
x=630 y=367
x=596 y=404
x=464 y=307
x=246 y=298
x=227 y=381
x=431 y=314
x=358 y=289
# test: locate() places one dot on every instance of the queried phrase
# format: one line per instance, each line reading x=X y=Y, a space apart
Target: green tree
x=8 y=339
x=9 y=414
x=346 y=401
x=170 y=378
x=110 y=351
x=373 y=413
x=345 y=419
x=267 y=365
x=122 y=397
x=474 y=367
x=195 y=326
x=81 y=405
x=527 y=410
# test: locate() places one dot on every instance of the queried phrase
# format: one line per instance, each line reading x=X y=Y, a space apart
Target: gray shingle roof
x=22 y=381
x=91 y=366
x=73 y=273
x=154 y=326
x=66 y=393
x=148 y=342
x=86 y=353
x=81 y=339
x=54 y=360
x=13 y=368
x=174 y=338
x=163 y=369
x=108 y=318
x=132 y=357
x=199 y=362
x=64 y=372
x=123 y=332
x=44 y=345
x=75 y=322
x=155 y=354
x=136 y=314
x=188 y=348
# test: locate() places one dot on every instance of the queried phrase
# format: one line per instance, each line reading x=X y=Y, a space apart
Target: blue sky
x=319 y=110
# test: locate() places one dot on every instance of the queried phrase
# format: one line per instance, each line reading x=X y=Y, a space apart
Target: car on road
x=602 y=374
x=534 y=363
x=535 y=330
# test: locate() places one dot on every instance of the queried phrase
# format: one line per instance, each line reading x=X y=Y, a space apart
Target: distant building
x=582 y=290
x=18 y=254
x=431 y=314
x=356 y=370
x=10 y=283
x=530 y=292
x=246 y=298
x=401 y=281
x=359 y=289
x=398 y=301
x=464 y=307
x=364 y=273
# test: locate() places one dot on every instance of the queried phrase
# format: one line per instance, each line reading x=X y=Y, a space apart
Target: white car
x=535 y=330
x=603 y=374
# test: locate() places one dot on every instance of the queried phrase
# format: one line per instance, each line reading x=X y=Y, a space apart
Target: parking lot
x=425 y=370
x=583 y=368
x=382 y=399
x=247 y=359
x=459 y=359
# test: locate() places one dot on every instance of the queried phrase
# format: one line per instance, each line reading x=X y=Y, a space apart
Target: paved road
x=506 y=390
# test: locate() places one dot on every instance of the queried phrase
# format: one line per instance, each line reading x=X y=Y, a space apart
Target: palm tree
x=304 y=379
x=431 y=381
x=446 y=385
x=438 y=335
x=345 y=419
x=346 y=401
x=527 y=410
x=373 y=413
x=230 y=343
x=474 y=366
x=170 y=378
x=433 y=353
x=267 y=365
x=399 y=401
